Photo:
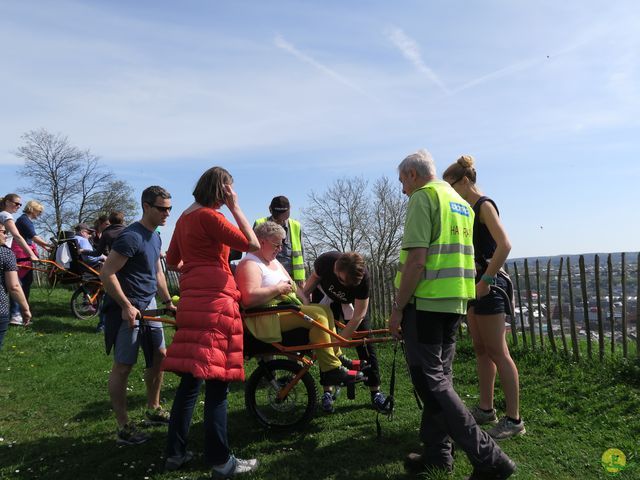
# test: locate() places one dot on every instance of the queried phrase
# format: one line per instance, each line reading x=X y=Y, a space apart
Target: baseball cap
x=279 y=204
x=83 y=226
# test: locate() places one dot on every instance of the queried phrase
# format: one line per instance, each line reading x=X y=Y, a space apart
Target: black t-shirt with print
x=329 y=282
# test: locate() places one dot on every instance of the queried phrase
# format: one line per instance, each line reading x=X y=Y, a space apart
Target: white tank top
x=269 y=277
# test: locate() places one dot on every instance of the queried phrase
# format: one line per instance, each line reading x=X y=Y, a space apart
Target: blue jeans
x=25 y=282
x=4 y=325
x=216 y=446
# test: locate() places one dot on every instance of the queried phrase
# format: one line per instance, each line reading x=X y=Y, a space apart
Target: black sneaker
x=501 y=470
x=351 y=364
x=415 y=463
x=130 y=435
x=378 y=400
x=340 y=376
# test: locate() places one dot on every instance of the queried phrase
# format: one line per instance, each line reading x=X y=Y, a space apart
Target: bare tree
x=348 y=217
x=70 y=182
x=334 y=219
x=383 y=233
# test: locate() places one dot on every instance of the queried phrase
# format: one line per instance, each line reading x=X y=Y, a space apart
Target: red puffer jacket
x=208 y=342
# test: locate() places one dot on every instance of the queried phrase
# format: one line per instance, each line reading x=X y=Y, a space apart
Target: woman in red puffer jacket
x=207 y=347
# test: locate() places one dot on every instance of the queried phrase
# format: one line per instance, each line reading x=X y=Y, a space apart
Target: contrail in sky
x=283 y=44
x=410 y=50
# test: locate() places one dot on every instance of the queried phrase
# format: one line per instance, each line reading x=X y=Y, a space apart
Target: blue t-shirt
x=26 y=228
x=138 y=278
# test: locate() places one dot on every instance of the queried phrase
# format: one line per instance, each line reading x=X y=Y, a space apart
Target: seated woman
x=261 y=278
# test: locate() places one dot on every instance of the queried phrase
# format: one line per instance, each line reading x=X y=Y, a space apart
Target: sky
x=290 y=96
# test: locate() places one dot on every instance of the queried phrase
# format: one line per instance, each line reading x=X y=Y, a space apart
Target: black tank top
x=483 y=243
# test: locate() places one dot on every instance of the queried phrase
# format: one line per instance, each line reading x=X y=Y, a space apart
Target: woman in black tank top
x=486 y=314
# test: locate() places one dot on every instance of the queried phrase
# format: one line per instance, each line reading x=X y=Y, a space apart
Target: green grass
x=56 y=420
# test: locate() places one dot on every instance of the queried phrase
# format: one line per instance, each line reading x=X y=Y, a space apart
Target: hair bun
x=466 y=161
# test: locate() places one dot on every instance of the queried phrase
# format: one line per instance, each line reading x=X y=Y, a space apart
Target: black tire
x=298 y=407
x=81 y=306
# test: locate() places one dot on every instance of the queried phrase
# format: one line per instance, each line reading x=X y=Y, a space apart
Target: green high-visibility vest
x=449 y=271
x=297 y=262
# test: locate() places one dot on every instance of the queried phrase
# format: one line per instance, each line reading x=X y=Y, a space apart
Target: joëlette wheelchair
x=86 y=298
x=281 y=392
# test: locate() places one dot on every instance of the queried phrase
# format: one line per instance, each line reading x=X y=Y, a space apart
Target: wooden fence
x=559 y=304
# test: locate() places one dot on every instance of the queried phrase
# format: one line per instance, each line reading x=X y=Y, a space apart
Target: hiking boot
x=234 y=466
x=327 y=402
x=501 y=470
x=351 y=364
x=483 y=417
x=156 y=416
x=340 y=376
x=176 y=462
x=130 y=435
x=507 y=428
x=378 y=400
x=415 y=463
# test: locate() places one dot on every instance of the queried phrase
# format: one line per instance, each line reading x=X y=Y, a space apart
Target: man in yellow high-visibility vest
x=436 y=277
x=291 y=255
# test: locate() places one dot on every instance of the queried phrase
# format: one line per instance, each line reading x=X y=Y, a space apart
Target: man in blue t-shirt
x=132 y=275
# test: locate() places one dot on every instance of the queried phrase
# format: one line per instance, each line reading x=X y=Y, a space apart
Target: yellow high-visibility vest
x=449 y=271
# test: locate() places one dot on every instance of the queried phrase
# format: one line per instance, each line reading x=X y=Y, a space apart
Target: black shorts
x=493 y=303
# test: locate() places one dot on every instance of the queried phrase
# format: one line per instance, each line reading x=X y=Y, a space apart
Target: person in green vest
x=291 y=256
x=435 y=279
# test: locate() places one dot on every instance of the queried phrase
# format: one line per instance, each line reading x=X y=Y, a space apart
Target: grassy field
x=56 y=420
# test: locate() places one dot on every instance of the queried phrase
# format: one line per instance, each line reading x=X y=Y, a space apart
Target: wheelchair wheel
x=261 y=395
x=82 y=305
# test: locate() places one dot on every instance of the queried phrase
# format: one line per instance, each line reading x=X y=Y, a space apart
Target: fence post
x=599 y=309
x=560 y=312
x=522 y=329
x=539 y=303
x=585 y=304
x=623 y=273
x=527 y=286
x=514 y=326
x=552 y=340
x=572 y=318
x=611 y=317
x=638 y=306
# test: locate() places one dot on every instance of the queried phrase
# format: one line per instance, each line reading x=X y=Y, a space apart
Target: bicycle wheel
x=82 y=305
x=261 y=395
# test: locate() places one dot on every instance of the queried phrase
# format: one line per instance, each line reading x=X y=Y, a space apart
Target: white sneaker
x=16 y=320
x=234 y=466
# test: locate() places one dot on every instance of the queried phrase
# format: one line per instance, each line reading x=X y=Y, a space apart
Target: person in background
x=208 y=345
x=9 y=205
x=291 y=255
x=99 y=226
x=486 y=314
x=32 y=210
x=116 y=225
x=435 y=280
x=132 y=276
x=85 y=249
x=341 y=280
x=9 y=284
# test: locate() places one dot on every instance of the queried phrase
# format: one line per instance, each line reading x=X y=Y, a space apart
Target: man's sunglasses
x=162 y=209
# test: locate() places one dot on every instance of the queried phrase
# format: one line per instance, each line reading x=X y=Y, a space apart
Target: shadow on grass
x=59 y=325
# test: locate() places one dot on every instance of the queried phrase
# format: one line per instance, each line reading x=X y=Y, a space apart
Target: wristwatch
x=395 y=306
x=167 y=302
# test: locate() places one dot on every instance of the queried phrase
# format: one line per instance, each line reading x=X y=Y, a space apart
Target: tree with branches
x=348 y=217
x=70 y=182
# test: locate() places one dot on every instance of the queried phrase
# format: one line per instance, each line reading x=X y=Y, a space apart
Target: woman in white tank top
x=261 y=278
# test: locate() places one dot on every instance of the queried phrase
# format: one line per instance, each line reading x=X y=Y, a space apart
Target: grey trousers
x=430 y=347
